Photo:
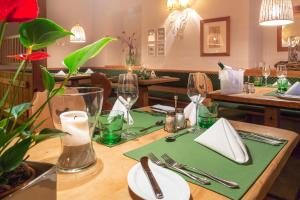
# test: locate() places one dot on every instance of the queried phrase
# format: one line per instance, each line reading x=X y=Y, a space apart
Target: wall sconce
x=276 y=13
x=177 y=4
x=79 y=34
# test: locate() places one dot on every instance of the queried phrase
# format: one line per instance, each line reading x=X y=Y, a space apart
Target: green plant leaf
x=78 y=58
x=3 y=123
x=18 y=110
x=13 y=156
x=48 y=80
x=40 y=33
x=59 y=91
x=47 y=133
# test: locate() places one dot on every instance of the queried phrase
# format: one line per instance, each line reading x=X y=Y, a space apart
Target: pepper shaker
x=180 y=120
x=170 y=125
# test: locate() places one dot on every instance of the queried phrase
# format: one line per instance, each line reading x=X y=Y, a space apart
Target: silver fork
x=227 y=183
x=158 y=162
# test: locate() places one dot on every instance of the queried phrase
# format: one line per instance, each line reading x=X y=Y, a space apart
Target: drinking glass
x=208 y=114
x=266 y=71
x=111 y=125
x=76 y=113
x=128 y=92
x=197 y=91
x=281 y=71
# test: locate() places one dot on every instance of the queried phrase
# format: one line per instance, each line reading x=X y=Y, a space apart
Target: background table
x=144 y=87
x=271 y=104
x=73 y=79
x=108 y=178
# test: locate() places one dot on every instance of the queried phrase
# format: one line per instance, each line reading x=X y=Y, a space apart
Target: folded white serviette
x=294 y=90
x=223 y=138
x=190 y=113
x=89 y=71
x=120 y=107
x=60 y=73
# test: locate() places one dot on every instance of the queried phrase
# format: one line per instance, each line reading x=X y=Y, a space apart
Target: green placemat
x=142 y=119
x=186 y=151
x=272 y=94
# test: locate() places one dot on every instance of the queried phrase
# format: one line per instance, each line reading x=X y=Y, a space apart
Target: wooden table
x=73 y=79
x=143 y=100
x=271 y=104
x=108 y=178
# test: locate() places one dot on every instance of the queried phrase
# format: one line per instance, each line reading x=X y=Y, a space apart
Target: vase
x=131 y=57
x=41 y=186
x=76 y=113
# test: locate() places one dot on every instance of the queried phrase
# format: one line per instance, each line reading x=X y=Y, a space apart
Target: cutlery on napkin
x=294 y=90
x=223 y=138
x=60 y=73
x=162 y=108
x=89 y=71
x=120 y=107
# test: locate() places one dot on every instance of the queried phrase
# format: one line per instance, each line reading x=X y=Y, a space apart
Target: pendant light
x=276 y=13
x=79 y=34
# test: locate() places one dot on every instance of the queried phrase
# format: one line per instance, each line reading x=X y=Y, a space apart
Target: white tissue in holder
x=223 y=138
x=232 y=81
x=294 y=90
x=120 y=107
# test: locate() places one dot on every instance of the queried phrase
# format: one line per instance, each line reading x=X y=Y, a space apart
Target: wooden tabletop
x=257 y=98
x=108 y=178
x=73 y=77
x=154 y=81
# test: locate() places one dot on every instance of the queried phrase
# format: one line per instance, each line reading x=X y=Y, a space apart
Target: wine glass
x=128 y=92
x=197 y=91
x=266 y=71
x=281 y=71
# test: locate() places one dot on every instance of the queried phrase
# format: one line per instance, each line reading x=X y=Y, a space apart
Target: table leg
x=272 y=116
x=143 y=100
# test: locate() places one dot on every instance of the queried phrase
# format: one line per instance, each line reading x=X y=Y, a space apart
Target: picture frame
x=160 y=49
x=151 y=49
x=151 y=35
x=215 y=37
x=161 y=34
x=284 y=31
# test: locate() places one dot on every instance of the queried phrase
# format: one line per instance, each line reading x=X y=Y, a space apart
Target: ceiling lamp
x=276 y=13
x=177 y=4
x=79 y=34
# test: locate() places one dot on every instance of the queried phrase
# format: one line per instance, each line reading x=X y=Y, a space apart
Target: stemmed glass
x=266 y=71
x=197 y=91
x=128 y=92
x=281 y=71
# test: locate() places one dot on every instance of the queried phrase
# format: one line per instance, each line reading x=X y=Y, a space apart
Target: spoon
x=173 y=137
x=157 y=123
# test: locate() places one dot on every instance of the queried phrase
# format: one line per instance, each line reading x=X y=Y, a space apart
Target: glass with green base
x=258 y=81
x=111 y=125
x=282 y=85
x=208 y=115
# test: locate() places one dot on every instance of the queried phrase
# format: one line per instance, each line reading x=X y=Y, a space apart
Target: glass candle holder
x=76 y=113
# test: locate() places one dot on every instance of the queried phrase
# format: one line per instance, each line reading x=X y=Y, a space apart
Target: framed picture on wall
x=215 y=37
x=151 y=35
x=151 y=49
x=161 y=34
x=160 y=49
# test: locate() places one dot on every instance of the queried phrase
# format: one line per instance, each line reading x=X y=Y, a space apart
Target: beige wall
x=250 y=43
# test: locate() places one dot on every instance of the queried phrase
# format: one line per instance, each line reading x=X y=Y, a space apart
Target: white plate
x=173 y=186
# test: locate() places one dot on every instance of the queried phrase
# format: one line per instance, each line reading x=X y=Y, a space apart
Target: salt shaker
x=180 y=120
x=246 y=87
x=170 y=125
x=251 y=88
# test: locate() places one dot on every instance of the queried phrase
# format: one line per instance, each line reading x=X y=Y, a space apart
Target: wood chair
x=100 y=80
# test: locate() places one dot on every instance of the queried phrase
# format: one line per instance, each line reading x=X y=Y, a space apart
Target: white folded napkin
x=60 y=73
x=162 y=108
x=190 y=113
x=120 y=107
x=294 y=90
x=89 y=71
x=223 y=138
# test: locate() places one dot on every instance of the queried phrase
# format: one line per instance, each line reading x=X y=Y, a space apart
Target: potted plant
x=16 y=139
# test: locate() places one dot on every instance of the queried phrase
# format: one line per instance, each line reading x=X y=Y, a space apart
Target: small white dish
x=173 y=186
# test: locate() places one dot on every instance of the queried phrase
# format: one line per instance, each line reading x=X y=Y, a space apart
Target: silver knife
x=156 y=189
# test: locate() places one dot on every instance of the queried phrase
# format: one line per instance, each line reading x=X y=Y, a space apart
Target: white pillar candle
x=76 y=124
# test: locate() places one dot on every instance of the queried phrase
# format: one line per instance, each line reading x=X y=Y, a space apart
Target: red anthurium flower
x=18 y=10
x=32 y=57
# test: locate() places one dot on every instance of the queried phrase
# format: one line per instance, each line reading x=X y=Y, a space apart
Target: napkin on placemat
x=89 y=71
x=60 y=73
x=294 y=90
x=223 y=138
x=162 y=108
x=120 y=107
